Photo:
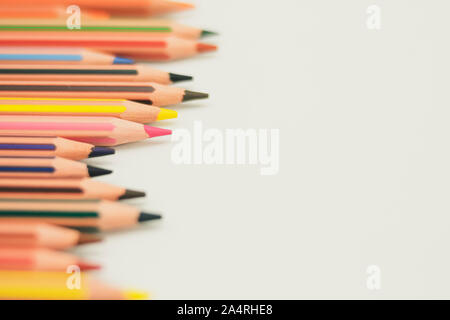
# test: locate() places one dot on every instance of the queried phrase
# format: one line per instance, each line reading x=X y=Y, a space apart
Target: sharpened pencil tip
x=143 y=217
x=179 y=77
x=101 y=151
x=165 y=114
x=130 y=194
x=86 y=266
x=205 y=47
x=119 y=60
x=156 y=132
x=96 y=171
x=180 y=6
x=88 y=238
x=207 y=33
x=193 y=95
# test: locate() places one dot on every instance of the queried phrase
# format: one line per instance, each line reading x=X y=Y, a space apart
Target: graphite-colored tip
x=156 y=132
x=193 y=95
x=165 y=114
x=207 y=33
x=101 y=151
x=88 y=238
x=86 y=266
x=205 y=47
x=96 y=171
x=179 y=77
x=130 y=194
x=119 y=60
x=143 y=217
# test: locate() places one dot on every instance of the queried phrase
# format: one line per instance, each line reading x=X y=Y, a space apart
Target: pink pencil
x=100 y=131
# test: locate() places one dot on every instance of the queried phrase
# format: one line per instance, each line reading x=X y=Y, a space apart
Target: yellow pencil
x=33 y=285
x=117 y=108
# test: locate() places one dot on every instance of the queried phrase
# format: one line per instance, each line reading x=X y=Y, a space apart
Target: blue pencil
x=38 y=55
x=49 y=147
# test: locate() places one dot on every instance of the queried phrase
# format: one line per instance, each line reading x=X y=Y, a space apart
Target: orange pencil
x=46 y=12
x=11 y=146
x=43 y=285
x=128 y=27
x=156 y=94
x=63 y=189
x=106 y=73
x=39 y=259
x=125 y=8
x=52 y=55
x=49 y=167
x=144 y=47
x=102 y=131
x=95 y=215
x=41 y=235
x=118 y=108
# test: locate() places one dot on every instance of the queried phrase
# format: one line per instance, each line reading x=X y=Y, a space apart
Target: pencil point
x=86 y=266
x=205 y=47
x=101 y=151
x=96 y=171
x=165 y=114
x=135 y=295
x=130 y=194
x=119 y=60
x=192 y=95
x=88 y=238
x=156 y=132
x=179 y=77
x=180 y=6
x=143 y=217
x=207 y=33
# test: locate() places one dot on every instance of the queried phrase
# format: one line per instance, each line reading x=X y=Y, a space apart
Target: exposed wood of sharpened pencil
x=49 y=167
x=118 y=108
x=156 y=94
x=41 y=235
x=145 y=47
x=130 y=27
x=100 y=214
x=63 y=189
x=11 y=146
x=101 y=131
x=31 y=55
x=105 y=73
x=116 y=7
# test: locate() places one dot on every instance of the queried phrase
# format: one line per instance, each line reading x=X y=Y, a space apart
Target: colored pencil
x=118 y=108
x=49 y=55
x=39 y=259
x=89 y=73
x=48 y=167
x=47 y=285
x=114 y=7
x=102 y=131
x=94 y=214
x=156 y=94
x=130 y=27
x=41 y=235
x=46 y=12
x=64 y=189
x=11 y=146
x=144 y=47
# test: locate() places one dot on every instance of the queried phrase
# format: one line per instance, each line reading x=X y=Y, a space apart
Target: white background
x=364 y=159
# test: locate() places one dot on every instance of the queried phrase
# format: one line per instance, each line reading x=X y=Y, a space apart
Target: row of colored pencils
x=69 y=94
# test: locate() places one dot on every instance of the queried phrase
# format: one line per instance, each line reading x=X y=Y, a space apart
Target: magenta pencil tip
x=156 y=132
